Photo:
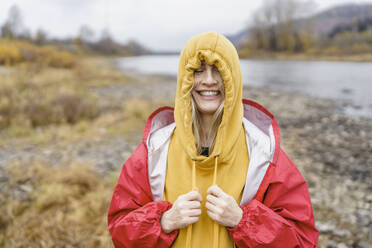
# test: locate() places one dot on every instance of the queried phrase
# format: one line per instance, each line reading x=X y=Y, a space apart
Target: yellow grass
x=13 y=52
x=32 y=95
x=43 y=205
x=66 y=207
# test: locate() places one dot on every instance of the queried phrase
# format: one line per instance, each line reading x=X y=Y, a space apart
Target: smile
x=209 y=93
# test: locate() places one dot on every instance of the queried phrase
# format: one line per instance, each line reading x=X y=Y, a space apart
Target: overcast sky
x=157 y=24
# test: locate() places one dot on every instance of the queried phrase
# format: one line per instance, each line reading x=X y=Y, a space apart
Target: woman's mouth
x=209 y=92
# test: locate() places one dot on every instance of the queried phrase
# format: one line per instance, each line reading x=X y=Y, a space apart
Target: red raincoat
x=279 y=215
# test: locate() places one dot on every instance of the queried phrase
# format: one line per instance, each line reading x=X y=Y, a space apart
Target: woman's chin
x=208 y=110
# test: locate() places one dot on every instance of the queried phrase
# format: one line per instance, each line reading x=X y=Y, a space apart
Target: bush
x=61 y=59
x=13 y=52
x=9 y=54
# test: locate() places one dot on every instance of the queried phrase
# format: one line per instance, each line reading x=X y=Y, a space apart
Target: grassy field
x=42 y=106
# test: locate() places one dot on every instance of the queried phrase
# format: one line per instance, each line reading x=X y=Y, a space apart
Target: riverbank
x=331 y=150
x=365 y=57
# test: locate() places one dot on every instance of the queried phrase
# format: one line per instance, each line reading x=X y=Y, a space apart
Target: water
x=347 y=81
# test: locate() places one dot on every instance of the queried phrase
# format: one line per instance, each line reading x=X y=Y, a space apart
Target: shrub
x=13 y=52
x=9 y=54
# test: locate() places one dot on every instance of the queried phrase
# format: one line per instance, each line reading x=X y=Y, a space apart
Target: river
x=347 y=81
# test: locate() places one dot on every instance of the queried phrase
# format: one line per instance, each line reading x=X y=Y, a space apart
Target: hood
x=216 y=50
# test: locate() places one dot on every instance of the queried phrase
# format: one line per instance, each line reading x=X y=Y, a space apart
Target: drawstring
x=215 y=224
x=193 y=183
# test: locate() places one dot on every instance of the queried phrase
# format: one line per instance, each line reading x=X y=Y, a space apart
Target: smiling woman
x=208 y=89
x=207 y=102
x=210 y=172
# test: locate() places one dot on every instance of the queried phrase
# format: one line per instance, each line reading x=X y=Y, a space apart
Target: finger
x=214 y=200
x=213 y=208
x=193 y=195
x=188 y=196
x=215 y=190
x=190 y=220
x=192 y=204
x=191 y=212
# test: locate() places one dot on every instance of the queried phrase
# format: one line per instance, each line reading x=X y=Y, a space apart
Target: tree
x=40 y=37
x=273 y=25
x=13 y=25
x=86 y=34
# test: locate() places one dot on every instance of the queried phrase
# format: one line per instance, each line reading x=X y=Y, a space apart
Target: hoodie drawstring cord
x=215 y=224
x=193 y=185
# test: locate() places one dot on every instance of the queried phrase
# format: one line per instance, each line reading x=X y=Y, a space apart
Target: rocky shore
x=332 y=151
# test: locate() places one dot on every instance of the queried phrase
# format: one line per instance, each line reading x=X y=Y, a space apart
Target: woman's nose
x=209 y=77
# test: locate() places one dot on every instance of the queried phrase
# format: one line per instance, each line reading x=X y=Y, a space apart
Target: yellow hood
x=216 y=50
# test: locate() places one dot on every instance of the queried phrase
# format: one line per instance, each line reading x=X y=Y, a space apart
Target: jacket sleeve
x=133 y=216
x=284 y=218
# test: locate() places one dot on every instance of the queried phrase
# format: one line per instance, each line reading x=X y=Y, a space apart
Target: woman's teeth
x=209 y=93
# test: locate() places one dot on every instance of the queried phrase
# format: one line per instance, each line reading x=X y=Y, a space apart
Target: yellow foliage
x=361 y=48
x=66 y=208
x=244 y=52
x=332 y=50
x=14 y=51
x=62 y=59
x=9 y=54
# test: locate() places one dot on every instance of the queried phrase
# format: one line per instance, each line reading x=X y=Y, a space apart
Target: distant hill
x=324 y=22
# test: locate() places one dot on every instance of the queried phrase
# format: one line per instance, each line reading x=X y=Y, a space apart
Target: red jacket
x=277 y=212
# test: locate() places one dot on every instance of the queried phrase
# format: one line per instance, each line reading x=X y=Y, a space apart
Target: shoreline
x=360 y=58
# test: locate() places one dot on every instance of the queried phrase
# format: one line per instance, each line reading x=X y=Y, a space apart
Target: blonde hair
x=196 y=123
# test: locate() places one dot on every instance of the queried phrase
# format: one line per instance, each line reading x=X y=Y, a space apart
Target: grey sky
x=158 y=24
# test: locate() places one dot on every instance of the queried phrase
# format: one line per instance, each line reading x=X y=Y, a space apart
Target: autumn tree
x=273 y=26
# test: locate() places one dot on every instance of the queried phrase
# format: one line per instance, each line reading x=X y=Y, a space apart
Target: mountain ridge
x=322 y=22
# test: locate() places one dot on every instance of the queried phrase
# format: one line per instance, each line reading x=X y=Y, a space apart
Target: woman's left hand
x=222 y=207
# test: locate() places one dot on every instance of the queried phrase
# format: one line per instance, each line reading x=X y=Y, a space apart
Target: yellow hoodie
x=227 y=164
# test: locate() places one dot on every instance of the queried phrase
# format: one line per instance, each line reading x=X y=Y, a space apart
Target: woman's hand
x=185 y=211
x=222 y=207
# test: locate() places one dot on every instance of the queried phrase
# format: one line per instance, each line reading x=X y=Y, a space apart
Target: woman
x=211 y=173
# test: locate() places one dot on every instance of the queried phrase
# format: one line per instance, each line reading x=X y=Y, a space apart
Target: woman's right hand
x=185 y=211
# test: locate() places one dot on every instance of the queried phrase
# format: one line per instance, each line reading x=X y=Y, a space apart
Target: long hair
x=196 y=123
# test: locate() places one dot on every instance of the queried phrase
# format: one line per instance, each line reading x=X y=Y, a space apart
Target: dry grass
x=128 y=122
x=13 y=52
x=131 y=121
x=29 y=99
x=32 y=96
x=45 y=205
x=63 y=207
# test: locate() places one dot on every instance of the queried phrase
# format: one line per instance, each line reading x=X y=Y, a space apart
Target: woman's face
x=207 y=92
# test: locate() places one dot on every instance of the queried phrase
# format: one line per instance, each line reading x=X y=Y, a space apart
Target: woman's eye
x=198 y=71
